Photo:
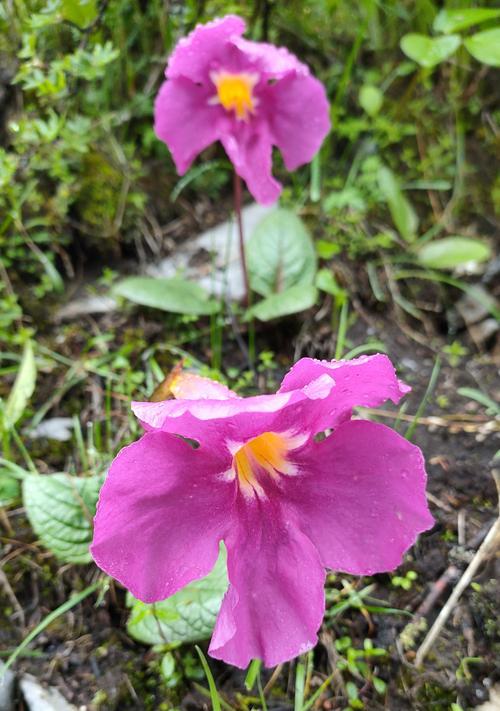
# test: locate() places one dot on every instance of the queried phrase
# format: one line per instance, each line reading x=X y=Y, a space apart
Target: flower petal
x=195 y=53
x=298 y=116
x=250 y=150
x=269 y=59
x=213 y=422
x=361 y=497
x=161 y=514
x=184 y=120
x=191 y=386
x=275 y=602
x=367 y=381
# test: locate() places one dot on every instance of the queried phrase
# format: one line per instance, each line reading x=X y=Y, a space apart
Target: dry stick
x=483 y=553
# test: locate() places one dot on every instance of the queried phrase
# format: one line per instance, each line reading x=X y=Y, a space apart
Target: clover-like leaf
x=485 y=46
x=429 y=51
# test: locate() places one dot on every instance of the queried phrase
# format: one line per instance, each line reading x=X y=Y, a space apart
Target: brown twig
x=484 y=551
x=458 y=422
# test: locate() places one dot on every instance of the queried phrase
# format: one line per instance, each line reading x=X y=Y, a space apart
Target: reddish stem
x=237 y=210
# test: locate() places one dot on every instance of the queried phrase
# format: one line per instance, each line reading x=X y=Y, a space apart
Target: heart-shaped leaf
x=452 y=252
x=280 y=254
x=60 y=509
x=429 y=51
x=174 y=295
x=485 y=46
x=454 y=20
x=187 y=616
x=292 y=301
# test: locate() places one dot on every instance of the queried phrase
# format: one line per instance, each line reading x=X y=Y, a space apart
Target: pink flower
x=251 y=96
x=286 y=505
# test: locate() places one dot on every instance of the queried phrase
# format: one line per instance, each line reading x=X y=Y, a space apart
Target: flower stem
x=239 y=221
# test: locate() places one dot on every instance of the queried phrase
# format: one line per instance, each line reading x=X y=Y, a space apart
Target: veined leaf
x=187 y=616
x=60 y=509
x=174 y=295
x=280 y=254
x=292 y=301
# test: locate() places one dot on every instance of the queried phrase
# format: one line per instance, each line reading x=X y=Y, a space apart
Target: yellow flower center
x=265 y=454
x=235 y=92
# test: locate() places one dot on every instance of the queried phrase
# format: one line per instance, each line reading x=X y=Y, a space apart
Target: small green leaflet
x=429 y=51
x=403 y=214
x=187 y=616
x=454 y=20
x=80 y=12
x=292 y=301
x=280 y=254
x=485 y=46
x=9 y=488
x=370 y=99
x=452 y=252
x=23 y=387
x=60 y=509
x=175 y=295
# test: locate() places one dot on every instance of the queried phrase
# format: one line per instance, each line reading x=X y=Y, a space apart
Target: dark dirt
x=88 y=654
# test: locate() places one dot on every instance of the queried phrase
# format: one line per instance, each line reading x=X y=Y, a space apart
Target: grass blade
x=61 y=610
x=214 y=696
x=423 y=403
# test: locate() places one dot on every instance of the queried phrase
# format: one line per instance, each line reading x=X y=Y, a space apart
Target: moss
x=99 y=196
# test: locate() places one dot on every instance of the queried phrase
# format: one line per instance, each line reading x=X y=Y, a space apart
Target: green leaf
x=187 y=616
x=429 y=51
x=80 y=12
x=280 y=254
x=485 y=46
x=292 y=301
x=452 y=252
x=327 y=282
x=326 y=249
x=60 y=509
x=23 y=387
x=370 y=99
x=9 y=488
x=174 y=295
x=454 y=20
x=474 y=394
x=379 y=684
x=403 y=214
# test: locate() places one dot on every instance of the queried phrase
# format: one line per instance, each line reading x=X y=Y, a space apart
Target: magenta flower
x=251 y=96
x=286 y=505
